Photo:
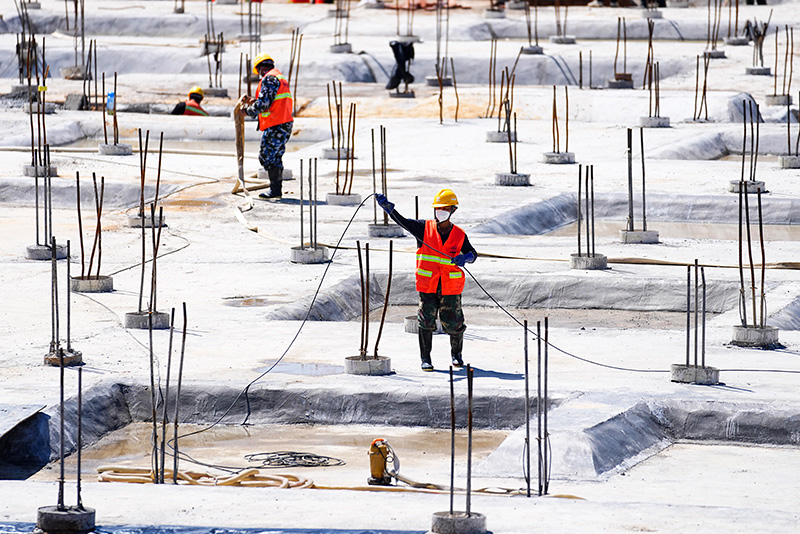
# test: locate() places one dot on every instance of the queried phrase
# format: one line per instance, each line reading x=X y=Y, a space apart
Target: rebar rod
x=366 y=299
x=742 y=295
x=60 y=417
x=588 y=212
x=79 y=501
x=545 y=407
x=580 y=179
x=316 y=183
x=616 y=51
x=351 y=153
x=591 y=186
x=154 y=435
x=53 y=297
x=96 y=94
x=580 y=67
x=80 y=222
x=178 y=402
x=362 y=351
x=590 y=70
x=785 y=59
x=696 y=309
x=347 y=150
x=69 y=298
x=556 y=143
x=105 y=105
x=99 y=226
x=166 y=399
x=703 y=342
x=156 y=246
x=630 y=181
x=696 y=87
x=470 y=380
x=775 y=75
x=644 y=195
x=539 y=401
x=527 y=413
x=452 y=439
x=455 y=86
x=374 y=181
x=114 y=122
x=566 y=118
x=49 y=187
x=688 y=311
x=791 y=62
x=763 y=302
x=750 y=255
x=384 y=170
x=753 y=116
x=624 y=46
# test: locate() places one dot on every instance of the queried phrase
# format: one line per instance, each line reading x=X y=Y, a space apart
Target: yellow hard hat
x=445 y=198
x=260 y=59
x=196 y=90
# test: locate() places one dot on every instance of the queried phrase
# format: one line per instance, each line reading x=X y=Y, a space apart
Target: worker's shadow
x=461 y=374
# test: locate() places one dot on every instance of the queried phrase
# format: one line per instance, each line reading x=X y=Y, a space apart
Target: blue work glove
x=384 y=203
x=461 y=259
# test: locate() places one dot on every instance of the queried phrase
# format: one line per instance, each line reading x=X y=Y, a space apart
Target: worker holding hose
x=273 y=107
x=442 y=249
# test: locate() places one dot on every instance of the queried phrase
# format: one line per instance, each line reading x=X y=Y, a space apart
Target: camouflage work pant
x=273 y=145
x=448 y=307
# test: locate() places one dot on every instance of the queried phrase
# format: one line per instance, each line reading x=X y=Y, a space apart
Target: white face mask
x=441 y=215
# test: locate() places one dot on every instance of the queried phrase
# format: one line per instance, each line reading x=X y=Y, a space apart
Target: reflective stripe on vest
x=280 y=111
x=193 y=108
x=435 y=266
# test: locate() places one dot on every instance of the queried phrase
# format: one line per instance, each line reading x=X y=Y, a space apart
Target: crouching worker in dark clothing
x=442 y=249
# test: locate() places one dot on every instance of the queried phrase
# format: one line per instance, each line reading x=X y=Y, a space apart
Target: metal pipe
x=527 y=415
x=470 y=377
x=166 y=399
x=452 y=439
x=178 y=401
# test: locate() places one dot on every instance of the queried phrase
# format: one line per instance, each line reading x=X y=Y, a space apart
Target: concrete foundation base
x=43 y=252
x=136 y=221
x=754 y=336
x=693 y=374
x=227 y=2
x=516 y=5
x=121 y=149
x=344 y=48
x=70 y=520
x=246 y=38
x=678 y=4
x=619 y=84
x=374 y=5
x=643 y=237
x=532 y=50
x=141 y=321
x=39 y=170
x=512 y=179
x=559 y=158
x=562 y=39
x=494 y=14
x=70 y=357
x=714 y=54
x=408 y=39
x=433 y=81
x=752 y=187
x=654 y=122
x=334 y=13
x=385 y=230
x=493 y=136
x=353 y=199
x=285 y=176
x=217 y=92
x=758 y=71
x=411 y=325
x=23 y=88
x=336 y=153
x=49 y=108
x=737 y=41
x=93 y=284
x=652 y=14
x=789 y=162
x=380 y=366
x=582 y=262
x=778 y=100
x=407 y=94
x=458 y=523
x=309 y=255
x=33 y=5
x=75 y=72
x=178 y=11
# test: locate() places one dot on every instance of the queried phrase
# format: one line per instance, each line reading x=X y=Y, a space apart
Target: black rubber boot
x=275 y=183
x=425 y=346
x=456 y=343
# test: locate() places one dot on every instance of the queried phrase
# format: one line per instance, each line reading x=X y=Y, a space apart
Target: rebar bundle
x=555 y=127
x=532 y=29
x=294 y=66
x=341 y=22
x=699 y=312
x=384 y=186
x=703 y=107
x=587 y=199
x=215 y=47
x=312 y=205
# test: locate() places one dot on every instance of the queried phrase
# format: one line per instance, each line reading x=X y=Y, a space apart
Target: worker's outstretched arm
x=265 y=97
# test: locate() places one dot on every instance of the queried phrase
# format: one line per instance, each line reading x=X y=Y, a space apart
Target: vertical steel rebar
x=154 y=436
x=630 y=181
x=696 y=309
x=362 y=350
x=385 y=300
x=374 y=182
x=302 y=179
x=591 y=189
x=580 y=179
x=452 y=439
x=69 y=298
x=763 y=301
x=366 y=298
x=546 y=408
x=588 y=212
x=166 y=399
x=539 y=401
x=688 y=312
x=527 y=414
x=470 y=380
x=644 y=197
x=703 y=341
x=178 y=401
x=61 y=418
x=80 y=433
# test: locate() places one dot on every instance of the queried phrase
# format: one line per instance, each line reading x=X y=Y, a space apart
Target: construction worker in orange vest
x=442 y=249
x=273 y=108
x=192 y=104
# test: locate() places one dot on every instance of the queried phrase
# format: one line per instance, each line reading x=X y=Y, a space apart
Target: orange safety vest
x=281 y=110
x=193 y=108
x=434 y=265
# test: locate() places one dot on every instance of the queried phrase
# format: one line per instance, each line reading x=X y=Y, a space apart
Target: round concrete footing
x=754 y=336
x=49 y=108
x=654 y=122
x=336 y=153
x=333 y=13
x=141 y=321
x=737 y=41
x=559 y=158
x=136 y=220
x=758 y=71
x=309 y=255
x=433 y=81
x=532 y=50
x=512 y=179
x=408 y=39
x=286 y=175
x=374 y=5
x=75 y=72
x=43 y=252
x=680 y=4
x=227 y=2
x=178 y=11
x=70 y=520
x=343 y=48
x=22 y=89
x=493 y=136
x=71 y=357
x=752 y=187
x=714 y=54
x=247 y=38
x=515 y=5
x=411 y=325
x=333 y=199
x=458 y=523
x=91 y=284
x=217 y=92
x=121 y=149
x=407 y=94
x=694 y=374
x=39 y=170
x=562 y=39
x=644 y=237
x=778 y=100
x=385 y=230
x=619 y=84
x=789 y=162
x=588 y=263
x=33 y=5
x=494 y=14
x=370 y=366
x=652 y=14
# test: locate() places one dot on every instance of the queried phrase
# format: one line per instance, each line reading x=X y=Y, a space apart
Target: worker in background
x=442 y=248
x=192 y=104
x=273 y=107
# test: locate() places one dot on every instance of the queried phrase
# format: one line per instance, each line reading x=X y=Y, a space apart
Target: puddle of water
x=679 y=230
x=306 y=369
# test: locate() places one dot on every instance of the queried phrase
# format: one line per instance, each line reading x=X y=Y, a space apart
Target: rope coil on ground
x=247 y=478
